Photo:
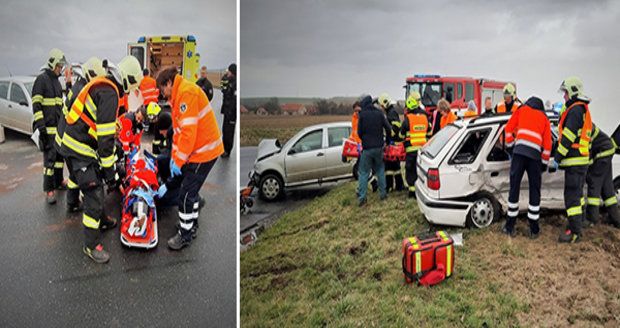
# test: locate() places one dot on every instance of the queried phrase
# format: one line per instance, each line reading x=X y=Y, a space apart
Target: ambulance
x=157 y=52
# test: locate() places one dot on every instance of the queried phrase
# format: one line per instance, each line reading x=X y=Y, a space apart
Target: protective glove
x=174 y=169
x=42 y=139
x=162 y=191
x=553 y=165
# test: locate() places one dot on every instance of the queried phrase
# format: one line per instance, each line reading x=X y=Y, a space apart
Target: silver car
x=312 y=156
x=16 y=103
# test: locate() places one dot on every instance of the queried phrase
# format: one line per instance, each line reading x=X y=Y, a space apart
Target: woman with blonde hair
x=447 y=116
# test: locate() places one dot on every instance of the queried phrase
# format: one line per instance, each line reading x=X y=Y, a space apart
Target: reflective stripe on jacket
x=529 y=131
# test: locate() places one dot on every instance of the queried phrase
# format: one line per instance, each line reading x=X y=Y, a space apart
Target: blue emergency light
x=141 y=39
x=191 y=38
x=422 y=76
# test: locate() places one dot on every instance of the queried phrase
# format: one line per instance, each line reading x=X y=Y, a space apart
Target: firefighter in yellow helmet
x=416 y=129
x=89 y=147
x=47 y=109
x=393 y=176
x=511 y=102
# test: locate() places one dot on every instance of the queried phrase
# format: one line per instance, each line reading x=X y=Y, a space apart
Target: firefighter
x=600 y=180
x=415 y=130
x=573 y=153
x=229 y=108
x=197 y=143
x=528 y=137
x=88 y=146
x=510 y=103
x=393 y=176
x=47 y=109
x=91 y=69
x=148 y=88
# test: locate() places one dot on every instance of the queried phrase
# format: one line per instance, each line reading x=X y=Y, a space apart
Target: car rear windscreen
x=438 y=141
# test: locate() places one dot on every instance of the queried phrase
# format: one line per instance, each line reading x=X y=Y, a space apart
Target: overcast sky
x=29 y=29
x=344 y=48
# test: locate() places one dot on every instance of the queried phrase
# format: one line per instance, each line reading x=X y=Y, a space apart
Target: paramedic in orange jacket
x=196 y=145
x=148 y=88
x=447 y=116
x=528 y=134
x=356 y=114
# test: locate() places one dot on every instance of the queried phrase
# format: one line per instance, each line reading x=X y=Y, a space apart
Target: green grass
x=333 y=264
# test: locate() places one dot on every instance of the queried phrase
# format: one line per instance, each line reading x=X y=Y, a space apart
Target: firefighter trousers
x=193 y=177
x=393 y=176
x=411 y=171
x=574 y=179
x=601 y=191
x=73 y=189
x=228 y=132
x=518 y=166
x=52 y=169
x=89 y=181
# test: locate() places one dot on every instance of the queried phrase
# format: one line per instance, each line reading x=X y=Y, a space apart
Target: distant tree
x=273 y=106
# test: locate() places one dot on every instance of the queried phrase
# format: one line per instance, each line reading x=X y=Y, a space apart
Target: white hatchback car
x=16 y=103
x=464 y=175
x=312 y=156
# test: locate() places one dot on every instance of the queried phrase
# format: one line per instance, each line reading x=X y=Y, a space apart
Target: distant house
x=312 y=110
x=261 y=111
x=243 y=110
x=294 y=109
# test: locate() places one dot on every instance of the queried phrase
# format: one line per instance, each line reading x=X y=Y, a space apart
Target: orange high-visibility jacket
x=354 y=136
x=149 y=90
x=530 y=128
x=447 y=119
x=501 y=107
x=197 y=137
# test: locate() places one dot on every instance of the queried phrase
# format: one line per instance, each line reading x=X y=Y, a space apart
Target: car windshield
x=28 y=86
x=438 y=141
x=430 y=92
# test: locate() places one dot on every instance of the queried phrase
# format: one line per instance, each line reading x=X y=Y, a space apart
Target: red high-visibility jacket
x=529 y=131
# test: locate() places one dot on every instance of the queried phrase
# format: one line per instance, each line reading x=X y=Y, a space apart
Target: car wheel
x=484 y=211
x=271 y=187
x=355 y=167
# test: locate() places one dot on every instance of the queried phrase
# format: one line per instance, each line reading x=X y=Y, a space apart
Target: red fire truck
x=458 y=90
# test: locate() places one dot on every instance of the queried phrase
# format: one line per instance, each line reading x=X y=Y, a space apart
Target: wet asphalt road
x=46 y=281
x=266 y=212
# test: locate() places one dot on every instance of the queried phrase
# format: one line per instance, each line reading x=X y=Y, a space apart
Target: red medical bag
x=350 y=148
x=394 y=153
x=428 y=259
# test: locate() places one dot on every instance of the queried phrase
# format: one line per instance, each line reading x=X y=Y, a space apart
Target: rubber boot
x=398 y=179
x=534 y=229
x=614 y=215
x=509 y=227
x=573 y=233
x=107 y=223
x=592 y=215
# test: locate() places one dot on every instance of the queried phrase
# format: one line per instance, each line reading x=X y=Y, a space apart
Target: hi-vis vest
x=501 y=107
x=581 y=142
x=84 y=100
x=416 y=136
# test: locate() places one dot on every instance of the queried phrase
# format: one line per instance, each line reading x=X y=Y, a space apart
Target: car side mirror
x=23 y=103
x=292 y=151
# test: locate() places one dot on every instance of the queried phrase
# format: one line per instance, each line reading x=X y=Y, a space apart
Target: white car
x=16 y=103
x=312 y=156
x=464 y=175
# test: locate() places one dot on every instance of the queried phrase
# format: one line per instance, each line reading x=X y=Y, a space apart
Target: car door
x=305 y=160
x=4 y=102
x=334 y=166
x=19 y=108
x=496 y=168
x=552 y=190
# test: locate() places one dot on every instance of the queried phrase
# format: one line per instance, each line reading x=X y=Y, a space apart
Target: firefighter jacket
x=91 y=126
x=229 y=92
x=46 y=105
x=529 y=131
x=575 y=132
x=416 y=129
x=395 y=123
x=602 y=145
x=62 y=123
x=197 y=137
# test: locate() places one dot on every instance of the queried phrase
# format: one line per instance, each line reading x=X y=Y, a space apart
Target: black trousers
x=411 y=171
x=518 y=166
x=228 y=132
x=193 y=177
x=91 y=185
x=574 y=179
x=393 y=176
x=73 y=189
x=600 y=185
x=52 y=169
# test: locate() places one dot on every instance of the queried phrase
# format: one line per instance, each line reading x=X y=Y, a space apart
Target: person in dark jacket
x=488 y=108
x=204 y=83
x=229 y=108
x=371 y=127
x=393 y=176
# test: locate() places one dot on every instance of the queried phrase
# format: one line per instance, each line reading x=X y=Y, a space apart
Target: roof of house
x=291 y=107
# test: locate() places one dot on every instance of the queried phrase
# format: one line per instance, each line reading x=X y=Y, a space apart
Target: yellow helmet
x=56 y=57
x=573 y=86
x=384 y=100
x=130 y=73
x=412 y=102
x=152 y=110
x=93 y=68
x=509 y=89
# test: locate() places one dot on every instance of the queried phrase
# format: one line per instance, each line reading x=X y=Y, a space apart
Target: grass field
x=254 y=128
x=333 y=264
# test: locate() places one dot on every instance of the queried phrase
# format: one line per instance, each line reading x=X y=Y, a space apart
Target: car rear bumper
x=444 y=212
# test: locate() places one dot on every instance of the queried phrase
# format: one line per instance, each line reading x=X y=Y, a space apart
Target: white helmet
x=93 y=68
x=130 y=73
x=56 y=57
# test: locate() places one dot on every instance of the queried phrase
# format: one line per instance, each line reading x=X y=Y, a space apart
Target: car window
x=4 y=89
x=470 y=147
x=498 y=153
x=311 y=141
x=17 y=94
x=336 y=135
x=28 y=86
x=439 y=140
